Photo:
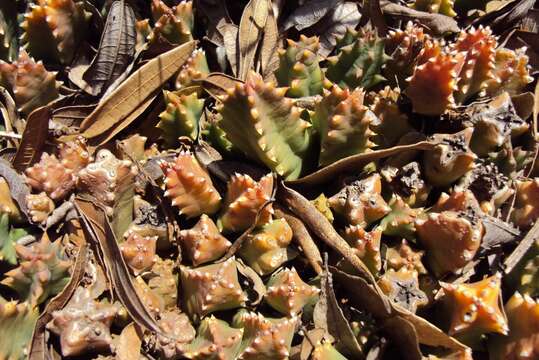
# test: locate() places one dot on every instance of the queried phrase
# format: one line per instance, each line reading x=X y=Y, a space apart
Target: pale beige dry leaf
x=269 y=60
x=129 y=344
x=135 y=90
x=253 y=21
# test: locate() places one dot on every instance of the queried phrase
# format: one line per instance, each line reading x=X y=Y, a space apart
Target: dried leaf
x=525 y=244
x=303 y=238
x=328 y=315
x=403 y=333
x=38 y=346
x=536 y=110
x=309 y=14
x=335 y=23
x=116 y=49
x=377 y=17
x=134 y=91
x=17 y=185
x=255 y=281
x=230 y=41
x=33 y=138
x=129 y=344
x=253 y=21
x=71 y=116
x=503 y=18
x=438 y=23
x=216 y=84
x=497 y=233
x=269 y=59
x=99 y=230
x=354 y=162
x=320 y=226
x=9 y=111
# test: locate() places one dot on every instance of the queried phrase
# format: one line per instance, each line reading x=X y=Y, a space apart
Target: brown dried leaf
x=230 y=42
x=335 y=23
x=253 y=21
x=328 y=315
x=134 y=91
x=129 y=344
x=33 y=138
x=354 y=162
x=116 y=49
x=17 y=185
x=503 y=18
x=255 y=281
x=269 y=60
x=216 y=83
x=99 y=230
x=38 y=345
x=309 y=14
x=438 y=23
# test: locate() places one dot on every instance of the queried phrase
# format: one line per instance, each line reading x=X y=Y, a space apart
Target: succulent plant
x=406 y=49
x=180 y=117
x=40 y=206
x=403 y=256
x=265 y=338
x=151 y=300
x=190 y=187
x=321 y=203
x=266 y=248
x=400 y=220
x=389 y=123
x=434 y=80
x=7 y=205
x=263 y=124
x=444 y=7
x=107 y=179
x=451 y=239
x=84 y=324
x=454 y=75
x=18 y=323
x=138 y=251
x=147 y=222
x=366 y=245
x=358 y=64
x=74 y=154
x=49 y=175
x=244 y=200
x=450 y=159
x=522 y=341
x=163 y=281
x=326 y=351
x=402 y=287
x=474 y=308
x=479 y=45
x=203 y=242
x=30 y=83
x=511 y=72
x=343 y=122
x=361 y=202
x=288 y=293
x=407 y=183
x=215 y=340
x=179 y=333
x=299 y=68
x=54 y=29
x=8 y=238
x=175 y=25
x=526 y=209
x=211 y=288
x=195 y=68
x=43 y=271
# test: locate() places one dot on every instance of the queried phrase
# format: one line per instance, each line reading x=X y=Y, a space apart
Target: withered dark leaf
x=33 y=138
x=330 y=317
x=116 y=49
x=309 y=14
x=438 y=23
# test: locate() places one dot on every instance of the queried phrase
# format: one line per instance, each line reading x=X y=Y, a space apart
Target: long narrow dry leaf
x=536 y=110
x=309 y=14
x=216 y=84
x=230 y=42
x=116 y=49
x=354 y=162
x=99 y=229
x=33 y=138
x=303 y=238
x=329 y=316
x=320 y=226
x=253 y=21
x=269 y=59
x=134 y=91
x=38 y=345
